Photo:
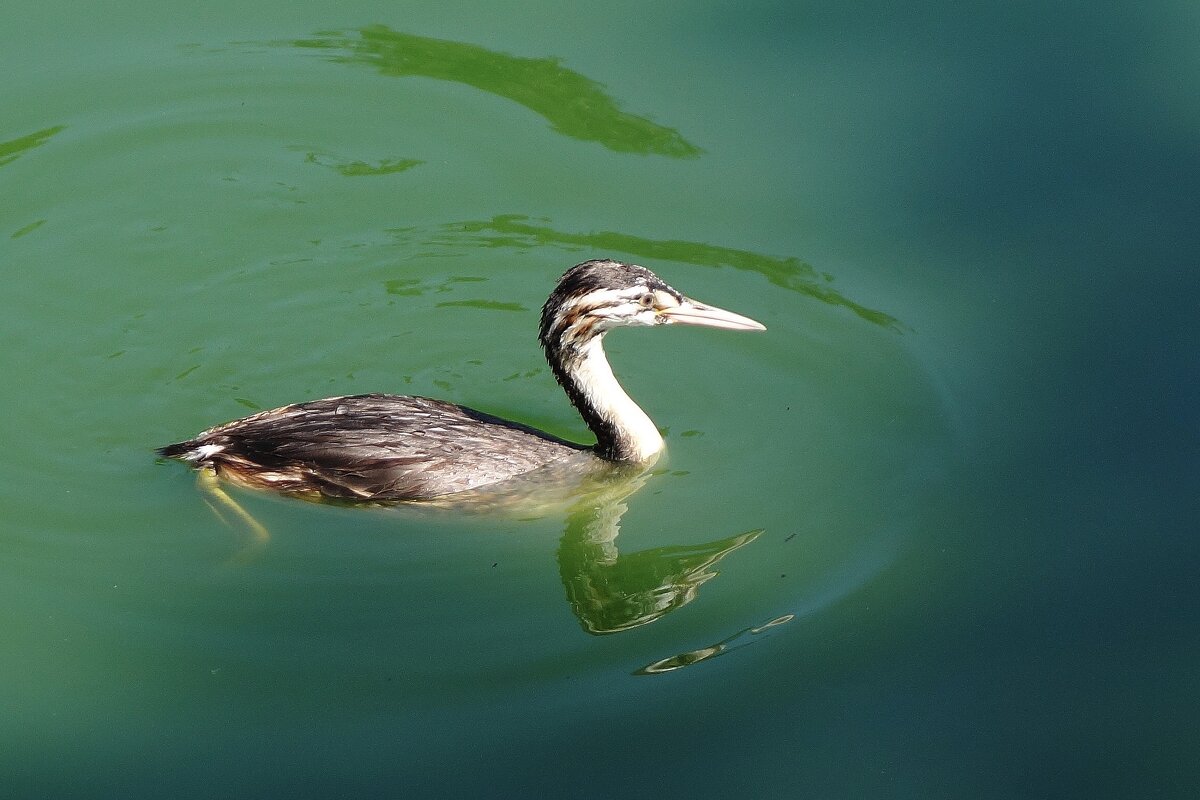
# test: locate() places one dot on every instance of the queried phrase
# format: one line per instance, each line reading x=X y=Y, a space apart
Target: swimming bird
x=385 y=448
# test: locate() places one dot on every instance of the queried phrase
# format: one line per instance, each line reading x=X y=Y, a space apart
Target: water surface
x=932 y=534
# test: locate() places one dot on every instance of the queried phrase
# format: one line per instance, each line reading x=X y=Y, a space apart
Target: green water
x=933 y=534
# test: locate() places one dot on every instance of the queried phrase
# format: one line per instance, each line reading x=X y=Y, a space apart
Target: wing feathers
x=382 y=447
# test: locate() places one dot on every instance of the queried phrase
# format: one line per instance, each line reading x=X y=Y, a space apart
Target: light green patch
x=13 y=148
x=30 y=228
x=573 y=104
x=517 y=231
x=489 y=305
x=358 y=168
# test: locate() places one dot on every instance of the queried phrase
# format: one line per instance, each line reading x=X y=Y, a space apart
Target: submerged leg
x=218 y=498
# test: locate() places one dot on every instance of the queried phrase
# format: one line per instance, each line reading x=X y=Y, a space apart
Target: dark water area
x=932 y=534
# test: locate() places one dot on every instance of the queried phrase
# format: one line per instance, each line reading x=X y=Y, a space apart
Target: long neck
x=623 y=431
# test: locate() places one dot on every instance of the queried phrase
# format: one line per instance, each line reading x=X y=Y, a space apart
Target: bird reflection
x=726 y=645
x=610 y=592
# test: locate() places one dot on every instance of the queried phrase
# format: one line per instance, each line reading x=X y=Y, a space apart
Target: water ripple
x=573 y=104
x=13 y=148
x=520 y=232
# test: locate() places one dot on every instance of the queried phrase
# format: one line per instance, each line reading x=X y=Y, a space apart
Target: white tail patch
x=204 y=452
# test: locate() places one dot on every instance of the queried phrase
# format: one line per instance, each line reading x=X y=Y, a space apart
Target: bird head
x=597 y=296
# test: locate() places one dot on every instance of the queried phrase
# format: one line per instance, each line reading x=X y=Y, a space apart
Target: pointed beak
x=689 y=312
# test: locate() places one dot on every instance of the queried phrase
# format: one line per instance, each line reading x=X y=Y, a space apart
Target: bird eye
x=646 y=300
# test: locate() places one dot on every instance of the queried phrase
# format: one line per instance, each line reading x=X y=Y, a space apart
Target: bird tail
x=178 y=450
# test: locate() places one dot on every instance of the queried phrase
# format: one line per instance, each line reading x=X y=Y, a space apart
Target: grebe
x=383 y=448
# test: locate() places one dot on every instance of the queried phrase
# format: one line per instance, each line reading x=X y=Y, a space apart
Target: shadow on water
x=574 y=105
x=14 y=148
x=520 y=232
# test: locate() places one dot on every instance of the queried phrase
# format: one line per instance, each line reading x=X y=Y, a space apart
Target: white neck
x=594 y=378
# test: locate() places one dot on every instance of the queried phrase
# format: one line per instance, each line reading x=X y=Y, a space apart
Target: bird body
x=384 y=448
x=373 y=447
